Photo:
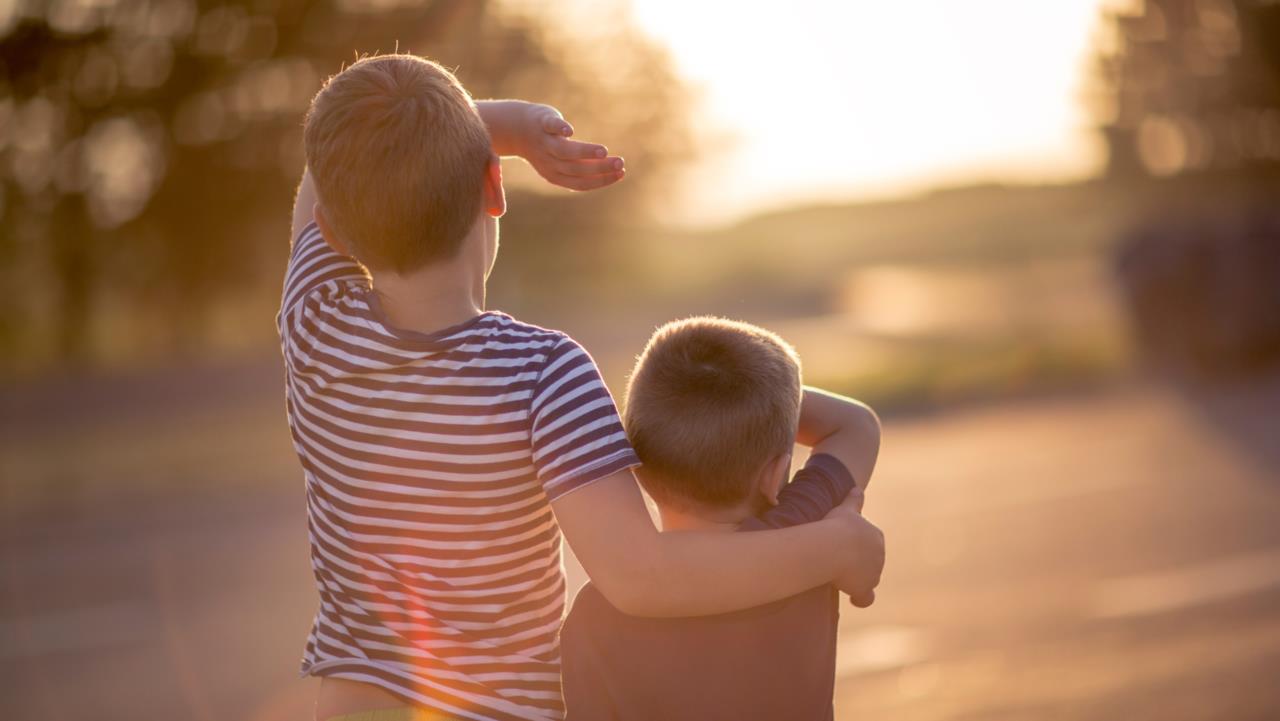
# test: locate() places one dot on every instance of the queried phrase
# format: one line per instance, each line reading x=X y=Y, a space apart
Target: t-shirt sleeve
x=820 y=486
x=312 y=263
x=577 y=434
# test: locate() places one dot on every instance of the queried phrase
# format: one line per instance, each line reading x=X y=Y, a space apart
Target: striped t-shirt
x=430 y=462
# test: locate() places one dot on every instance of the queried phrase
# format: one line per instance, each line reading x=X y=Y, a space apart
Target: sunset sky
x=853 y=100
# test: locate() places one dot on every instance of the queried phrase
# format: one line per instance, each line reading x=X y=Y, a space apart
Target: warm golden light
x=1039 y=237
x=839 y=100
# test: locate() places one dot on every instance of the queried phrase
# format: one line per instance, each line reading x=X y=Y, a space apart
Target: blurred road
x=1114 y=555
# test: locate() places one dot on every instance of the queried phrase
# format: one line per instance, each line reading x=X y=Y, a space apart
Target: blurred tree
x=148 y=148
x=1191 y=88
x=1190 y=85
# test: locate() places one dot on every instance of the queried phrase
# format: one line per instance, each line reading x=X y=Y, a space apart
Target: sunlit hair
x=709 y=402
x=398 y=154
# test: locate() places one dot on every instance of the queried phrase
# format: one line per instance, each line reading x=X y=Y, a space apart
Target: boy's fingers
x=574 y=150
x=589 y=167
x=857 y=497
x=556 y=125
x=863 y=600
x=589 y=182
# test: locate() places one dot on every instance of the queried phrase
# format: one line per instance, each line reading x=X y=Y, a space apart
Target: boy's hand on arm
x=861 y=576
x=540 y=135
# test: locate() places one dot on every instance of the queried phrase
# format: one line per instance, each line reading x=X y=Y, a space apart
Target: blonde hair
x=710 y=401
x=398 y=154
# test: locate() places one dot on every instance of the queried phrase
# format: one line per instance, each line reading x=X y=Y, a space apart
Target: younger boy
x=445 y=447
x=713 y=409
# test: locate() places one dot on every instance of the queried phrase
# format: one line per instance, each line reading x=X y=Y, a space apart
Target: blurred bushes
x=937 y=374
x=1189 y=85
x=1204 y=291
x=1192 y=88
x=149 y=148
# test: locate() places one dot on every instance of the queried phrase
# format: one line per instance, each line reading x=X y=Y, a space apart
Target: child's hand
x=564 y=162
x=862 y=575
x=856 y=498
x=860 y=598
x=540 y=135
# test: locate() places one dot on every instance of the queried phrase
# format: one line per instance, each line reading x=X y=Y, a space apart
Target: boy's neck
x=725 y=519
x=432 y=298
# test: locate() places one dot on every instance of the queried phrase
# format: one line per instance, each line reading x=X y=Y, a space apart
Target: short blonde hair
x=398 y=154
x=709 y=402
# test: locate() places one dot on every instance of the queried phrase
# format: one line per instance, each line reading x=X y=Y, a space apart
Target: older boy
x=444 y=447
x=713 y=409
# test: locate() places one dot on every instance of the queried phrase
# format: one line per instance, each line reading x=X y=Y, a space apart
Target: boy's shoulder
x=502 y=322
x=503 y=326
x=560 y=349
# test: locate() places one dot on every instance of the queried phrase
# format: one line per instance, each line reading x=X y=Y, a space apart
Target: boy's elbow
x=870 y=420
x=865 y=413
x=862 y=422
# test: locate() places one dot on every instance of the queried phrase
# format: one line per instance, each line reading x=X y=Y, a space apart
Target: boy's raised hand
x=541 y=135
x=569 y=163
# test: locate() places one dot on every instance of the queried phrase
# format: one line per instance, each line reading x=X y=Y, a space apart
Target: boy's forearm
x=503 y=118
x=823 y=414
x=843 y=427
x=304 y=204
x=542 y=137
x=821 y=486
x=704 y=573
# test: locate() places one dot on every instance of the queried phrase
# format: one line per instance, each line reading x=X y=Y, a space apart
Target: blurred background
x=1043 y=239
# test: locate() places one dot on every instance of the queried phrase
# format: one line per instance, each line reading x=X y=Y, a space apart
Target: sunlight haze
x=835 y=101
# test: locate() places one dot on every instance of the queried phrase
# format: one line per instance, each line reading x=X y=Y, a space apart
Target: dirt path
x=1103 y=557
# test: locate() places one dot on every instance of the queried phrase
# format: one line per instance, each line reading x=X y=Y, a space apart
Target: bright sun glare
x=840 y=100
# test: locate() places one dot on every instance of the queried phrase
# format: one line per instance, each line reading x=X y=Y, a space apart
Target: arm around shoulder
x=692 y=573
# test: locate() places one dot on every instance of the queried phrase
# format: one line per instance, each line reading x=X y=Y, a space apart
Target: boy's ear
x=326 y=231
x=495 y=198
x=773 y=477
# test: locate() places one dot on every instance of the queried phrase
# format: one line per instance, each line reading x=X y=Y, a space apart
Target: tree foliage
x=149 y=148
x=1190 y=85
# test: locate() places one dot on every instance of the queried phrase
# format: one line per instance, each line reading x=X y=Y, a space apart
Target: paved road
x=1112 y=556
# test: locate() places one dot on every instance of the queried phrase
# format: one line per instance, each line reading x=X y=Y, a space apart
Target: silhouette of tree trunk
x=72 y=237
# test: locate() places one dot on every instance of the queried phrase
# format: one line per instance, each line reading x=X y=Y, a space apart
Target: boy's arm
x=819 y=487
x=540 y=135
x=312 y=262
x=841 y=427
x=581 y=456
x=844 y=435
x=537 y=133
x=304 y=204
x=694 y=573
